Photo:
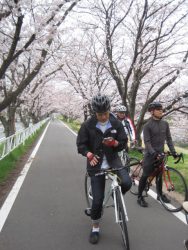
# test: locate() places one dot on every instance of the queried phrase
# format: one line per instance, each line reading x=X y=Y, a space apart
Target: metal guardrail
x=8 y=144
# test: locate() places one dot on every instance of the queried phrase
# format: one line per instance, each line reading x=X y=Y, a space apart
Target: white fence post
x=8 y=144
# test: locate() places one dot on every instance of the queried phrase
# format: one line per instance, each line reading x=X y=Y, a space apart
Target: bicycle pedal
x=88 y=211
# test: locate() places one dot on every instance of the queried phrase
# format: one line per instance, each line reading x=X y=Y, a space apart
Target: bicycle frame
x=114 y=186
x=112 y=190
x=162 y=168
x=169 y=182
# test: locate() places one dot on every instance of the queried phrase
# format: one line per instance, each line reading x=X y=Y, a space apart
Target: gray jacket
x=156 y=132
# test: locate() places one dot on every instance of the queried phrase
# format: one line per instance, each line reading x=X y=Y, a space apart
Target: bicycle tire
x=88 y=193
x=135 y=174
x=122 y=220
x=186 y=216
x=178 y=194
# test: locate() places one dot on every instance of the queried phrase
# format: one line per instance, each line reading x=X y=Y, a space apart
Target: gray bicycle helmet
x=121 y=108
x=100 y=103
x=154 y=105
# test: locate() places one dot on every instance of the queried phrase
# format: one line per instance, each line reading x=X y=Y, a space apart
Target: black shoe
x=164 y=198
x=141 y=201
x=94 y=237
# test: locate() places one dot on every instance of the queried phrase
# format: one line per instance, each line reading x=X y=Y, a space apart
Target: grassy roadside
x=74 y=125
x=182 y=167
x=8 y=163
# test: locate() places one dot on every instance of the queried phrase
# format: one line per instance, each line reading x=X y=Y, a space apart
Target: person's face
x=121 y=115
x=157 y=113
x=103 y=117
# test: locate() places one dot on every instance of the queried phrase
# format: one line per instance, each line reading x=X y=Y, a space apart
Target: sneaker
x=141 y=201
x=164 y=198
x=186 y=244
x=94 y=237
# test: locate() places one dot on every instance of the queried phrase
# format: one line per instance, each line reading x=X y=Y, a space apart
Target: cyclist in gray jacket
x=156 y=132
x=100 y=138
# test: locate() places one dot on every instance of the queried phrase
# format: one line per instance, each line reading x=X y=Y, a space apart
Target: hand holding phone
x=108 y=139
x=110 y=142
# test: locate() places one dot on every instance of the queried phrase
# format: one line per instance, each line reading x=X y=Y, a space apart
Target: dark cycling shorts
x=149 y=164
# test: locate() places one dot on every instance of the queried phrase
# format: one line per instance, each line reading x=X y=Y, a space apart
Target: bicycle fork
x=167 y=180
x=115 y=204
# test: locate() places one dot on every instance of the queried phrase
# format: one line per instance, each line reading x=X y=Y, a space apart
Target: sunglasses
x=158 y=109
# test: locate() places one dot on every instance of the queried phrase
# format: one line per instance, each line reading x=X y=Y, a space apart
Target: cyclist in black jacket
x=156 y=132
x=100 y=138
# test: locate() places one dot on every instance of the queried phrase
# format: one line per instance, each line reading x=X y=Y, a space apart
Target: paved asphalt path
x=48 y=211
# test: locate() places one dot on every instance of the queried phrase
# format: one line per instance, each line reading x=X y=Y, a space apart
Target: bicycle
x=185 y=204
x=173 y=183
x=114 y=191
x=127 y=160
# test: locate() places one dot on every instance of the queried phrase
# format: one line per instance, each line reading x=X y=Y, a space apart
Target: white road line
x=5 y=209
x=180 y=215
x=69 y=128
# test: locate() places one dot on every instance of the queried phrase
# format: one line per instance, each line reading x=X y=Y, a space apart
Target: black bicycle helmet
x=154 y=105
x=100 y=103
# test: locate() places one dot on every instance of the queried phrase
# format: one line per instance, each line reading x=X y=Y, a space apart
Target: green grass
x=73 y=124
x=8 y=163
x=1 y=149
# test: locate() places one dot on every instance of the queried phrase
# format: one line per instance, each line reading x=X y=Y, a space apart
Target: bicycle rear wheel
x=135 y=174
x=174 y=187
x=122 y=220
x=132 y=162
x=88 y=192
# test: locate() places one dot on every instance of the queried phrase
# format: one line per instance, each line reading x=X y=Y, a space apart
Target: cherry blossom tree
x=145 y=42
x=85 y=70
x=28 y=32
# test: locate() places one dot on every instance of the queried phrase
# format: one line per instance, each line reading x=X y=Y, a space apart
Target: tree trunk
x=9 y=122
x=24 y=119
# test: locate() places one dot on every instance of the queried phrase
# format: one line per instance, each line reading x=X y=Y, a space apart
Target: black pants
x=98 y=188
x=143 y=181
x=148 y=168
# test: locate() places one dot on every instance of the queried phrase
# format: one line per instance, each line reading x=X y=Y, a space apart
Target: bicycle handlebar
x=179 y=157
x=105 y=171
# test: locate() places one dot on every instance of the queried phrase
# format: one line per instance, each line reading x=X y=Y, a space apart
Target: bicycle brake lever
x=179 y=158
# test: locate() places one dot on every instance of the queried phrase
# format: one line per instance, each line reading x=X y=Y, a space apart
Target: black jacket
x=90 y=139
x=156 y=132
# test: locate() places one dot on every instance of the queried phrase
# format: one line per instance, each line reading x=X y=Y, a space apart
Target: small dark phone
x=108 y=139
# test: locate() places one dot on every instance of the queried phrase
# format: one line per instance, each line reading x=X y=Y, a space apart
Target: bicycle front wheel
x=186 y=216
x=88 y=192
x=122 y=220
x=173 y=187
